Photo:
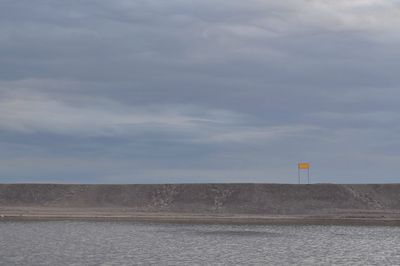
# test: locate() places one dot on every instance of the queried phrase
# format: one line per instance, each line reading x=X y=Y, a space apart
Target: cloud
x=199 y=88
x=27 y=113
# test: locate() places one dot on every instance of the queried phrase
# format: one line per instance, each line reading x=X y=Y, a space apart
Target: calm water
x=123 y=243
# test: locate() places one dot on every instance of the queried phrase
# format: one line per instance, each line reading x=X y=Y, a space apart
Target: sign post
x=304 y=166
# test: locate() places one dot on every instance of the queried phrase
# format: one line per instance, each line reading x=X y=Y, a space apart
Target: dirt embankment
x=326 y=201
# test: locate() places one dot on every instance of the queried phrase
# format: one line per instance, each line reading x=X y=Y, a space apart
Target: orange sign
x=304 y=166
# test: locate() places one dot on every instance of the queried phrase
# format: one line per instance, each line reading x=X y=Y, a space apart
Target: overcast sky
x=155 y=91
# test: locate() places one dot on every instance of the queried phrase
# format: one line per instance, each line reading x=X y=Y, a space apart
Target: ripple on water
x=124 y=243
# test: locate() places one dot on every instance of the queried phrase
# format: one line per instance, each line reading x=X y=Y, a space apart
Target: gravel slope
x=209 y=199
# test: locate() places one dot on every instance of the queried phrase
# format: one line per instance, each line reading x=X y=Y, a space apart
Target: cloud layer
x=199 y=91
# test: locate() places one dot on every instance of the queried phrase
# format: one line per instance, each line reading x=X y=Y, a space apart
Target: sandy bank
x=202 y=219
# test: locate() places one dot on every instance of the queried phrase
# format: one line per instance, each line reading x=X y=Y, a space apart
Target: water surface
x=124 y=243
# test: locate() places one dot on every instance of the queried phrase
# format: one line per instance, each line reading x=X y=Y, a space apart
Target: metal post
x=308 y=175
x=298 y=173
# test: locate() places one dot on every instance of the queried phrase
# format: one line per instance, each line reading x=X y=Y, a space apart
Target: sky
x=193 y=91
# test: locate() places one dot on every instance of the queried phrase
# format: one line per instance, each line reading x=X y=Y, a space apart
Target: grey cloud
x=178 y=90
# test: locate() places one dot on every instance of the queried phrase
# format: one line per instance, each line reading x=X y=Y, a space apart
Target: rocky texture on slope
x=209 y=199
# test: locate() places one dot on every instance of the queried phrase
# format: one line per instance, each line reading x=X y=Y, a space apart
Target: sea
x=128 y=243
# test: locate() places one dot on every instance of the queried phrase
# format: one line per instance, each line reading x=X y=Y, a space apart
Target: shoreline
x=207 y=219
